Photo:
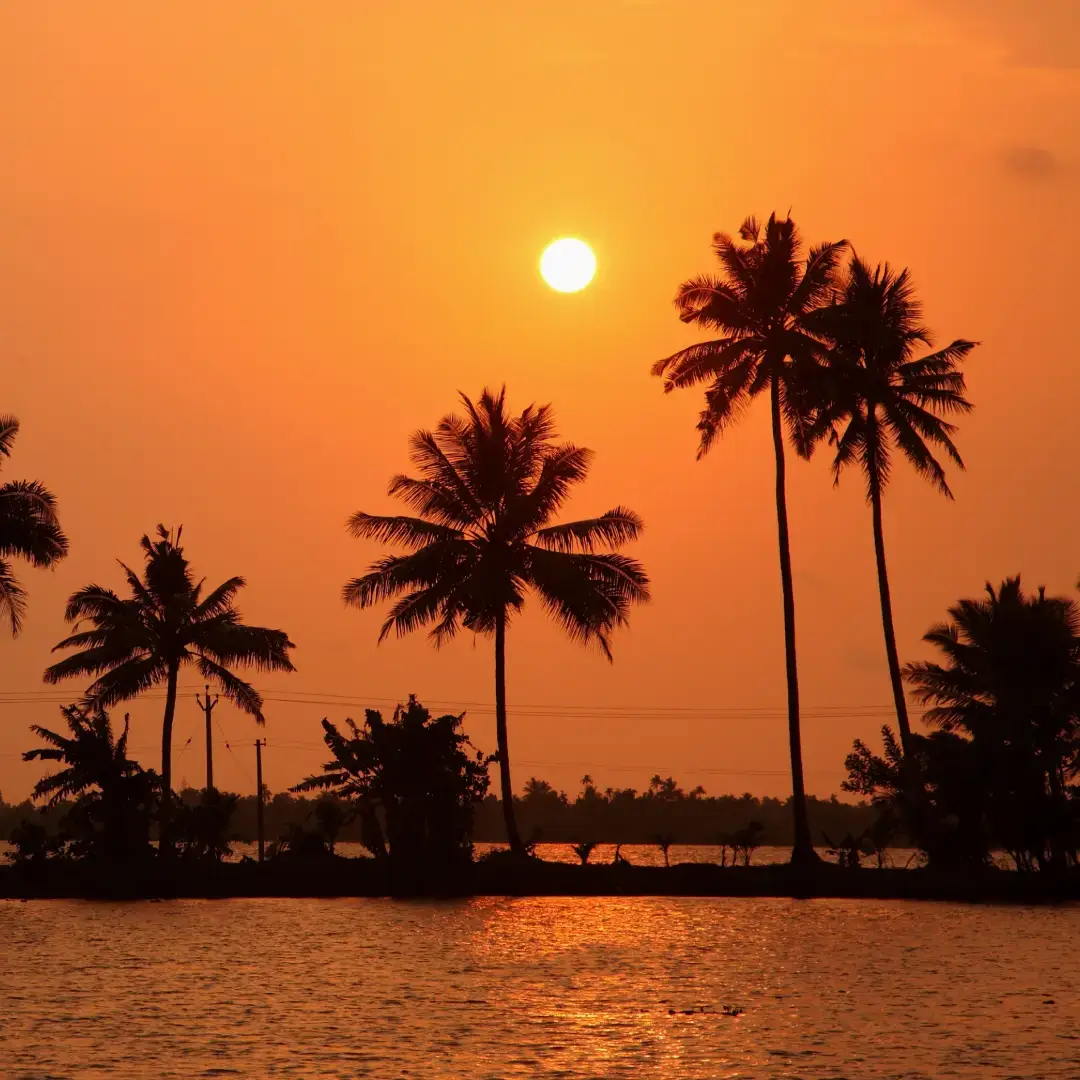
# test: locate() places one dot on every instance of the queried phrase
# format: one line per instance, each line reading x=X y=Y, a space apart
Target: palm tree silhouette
x=92 y=755
x=144 y=640
x=29 y=529
x=488 y=488
x=885 y=400
x=114 y=797
x=761 y=303
x=1011 y=681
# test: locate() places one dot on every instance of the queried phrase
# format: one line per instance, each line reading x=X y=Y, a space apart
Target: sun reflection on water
x=549 y=987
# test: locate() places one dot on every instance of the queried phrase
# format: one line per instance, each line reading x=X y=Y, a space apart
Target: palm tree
x=92 y=755
x=761 y=304
x=886 y=400
x=29 y=529
x=114 y=798
x=1011 y=682
x=144 y=640
x=489 y=487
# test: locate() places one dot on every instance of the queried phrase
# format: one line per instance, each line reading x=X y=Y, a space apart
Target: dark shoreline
x=340 y=877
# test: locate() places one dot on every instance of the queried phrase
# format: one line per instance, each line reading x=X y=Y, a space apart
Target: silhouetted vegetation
x=110 y=801
x=843 y=356
x=880 y=398
x=413 y=781
x=144 y=640
x=622 y=816
x=763 y=303
x=999 y=772
x=583 y=849
x=29 y=529
x=204 y=829
x=665 y=809
x=489 y=487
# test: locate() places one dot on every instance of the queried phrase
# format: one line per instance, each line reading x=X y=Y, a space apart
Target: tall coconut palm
x=760 y=304
x=488 y=489
x=143 y=640
x=883 y=400
x=29 y=529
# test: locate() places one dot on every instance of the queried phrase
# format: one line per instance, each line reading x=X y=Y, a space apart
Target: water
x=573 y=988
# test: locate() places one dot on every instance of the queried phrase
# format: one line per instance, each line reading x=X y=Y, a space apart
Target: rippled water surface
x=538 y=988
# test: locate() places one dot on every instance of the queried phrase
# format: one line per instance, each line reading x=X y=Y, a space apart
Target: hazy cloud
x=1035 y=33
x=1030 y=162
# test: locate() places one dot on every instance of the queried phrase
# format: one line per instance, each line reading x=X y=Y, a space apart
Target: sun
x=568 y=265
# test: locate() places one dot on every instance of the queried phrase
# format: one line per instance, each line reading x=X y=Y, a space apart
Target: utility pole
x=259 y=744
x=207 y=707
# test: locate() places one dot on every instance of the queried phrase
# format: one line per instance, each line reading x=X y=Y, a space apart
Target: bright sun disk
x=568 y=265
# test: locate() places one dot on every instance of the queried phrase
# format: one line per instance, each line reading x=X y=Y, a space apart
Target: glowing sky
x=247 y=247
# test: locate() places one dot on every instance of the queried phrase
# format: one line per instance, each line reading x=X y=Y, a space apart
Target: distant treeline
x=627 y=816
x=545 y=814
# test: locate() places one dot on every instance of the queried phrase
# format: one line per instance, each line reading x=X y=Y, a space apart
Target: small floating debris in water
x=1049 y=1001
x=708 y=1010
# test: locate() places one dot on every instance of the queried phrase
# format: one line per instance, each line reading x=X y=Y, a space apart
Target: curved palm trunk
x=803 y=849
x=512 y=837
x=914 y=792
x=899 y=700
x=165 y=816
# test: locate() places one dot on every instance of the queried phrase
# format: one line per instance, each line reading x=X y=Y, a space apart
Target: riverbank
x=340 y=877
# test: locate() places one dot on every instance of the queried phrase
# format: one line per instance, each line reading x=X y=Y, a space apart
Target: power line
x=361 y=699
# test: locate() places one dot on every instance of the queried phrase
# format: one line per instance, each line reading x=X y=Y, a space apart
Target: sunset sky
x=246 y=248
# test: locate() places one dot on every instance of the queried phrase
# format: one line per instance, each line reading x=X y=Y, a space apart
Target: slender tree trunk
x=803 y=850
x=512 y=836
x=899 y=700
x=914 y=792
x=165 y=815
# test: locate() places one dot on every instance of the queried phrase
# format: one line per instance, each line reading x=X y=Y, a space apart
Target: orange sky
x=247 y=247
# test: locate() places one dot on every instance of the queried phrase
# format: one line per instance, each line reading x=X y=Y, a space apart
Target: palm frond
x=219 y=600
x=707 y=360
x=95 y=659
x=9 y=428
x=431 y=500
x=232 y=643
x=12 y=598
x=123 y=682
x=409 y=531
x=562 y=468
x=98 y=603
x=818 y=277
x=611 y=529
x=395 y=574
x=422 y=607
x=242 y=694
x=443 y=461
x=588 y=595
x=29 y=526
x=705 y=298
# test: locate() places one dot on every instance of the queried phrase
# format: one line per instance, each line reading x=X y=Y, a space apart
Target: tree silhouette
x=144 y=640
x=1011 y=683
x=949 y=820
x=761 y=304
x=489 y=487
x=415 y=778
x=882 y=399
x=29 y=529
x=114 y=797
